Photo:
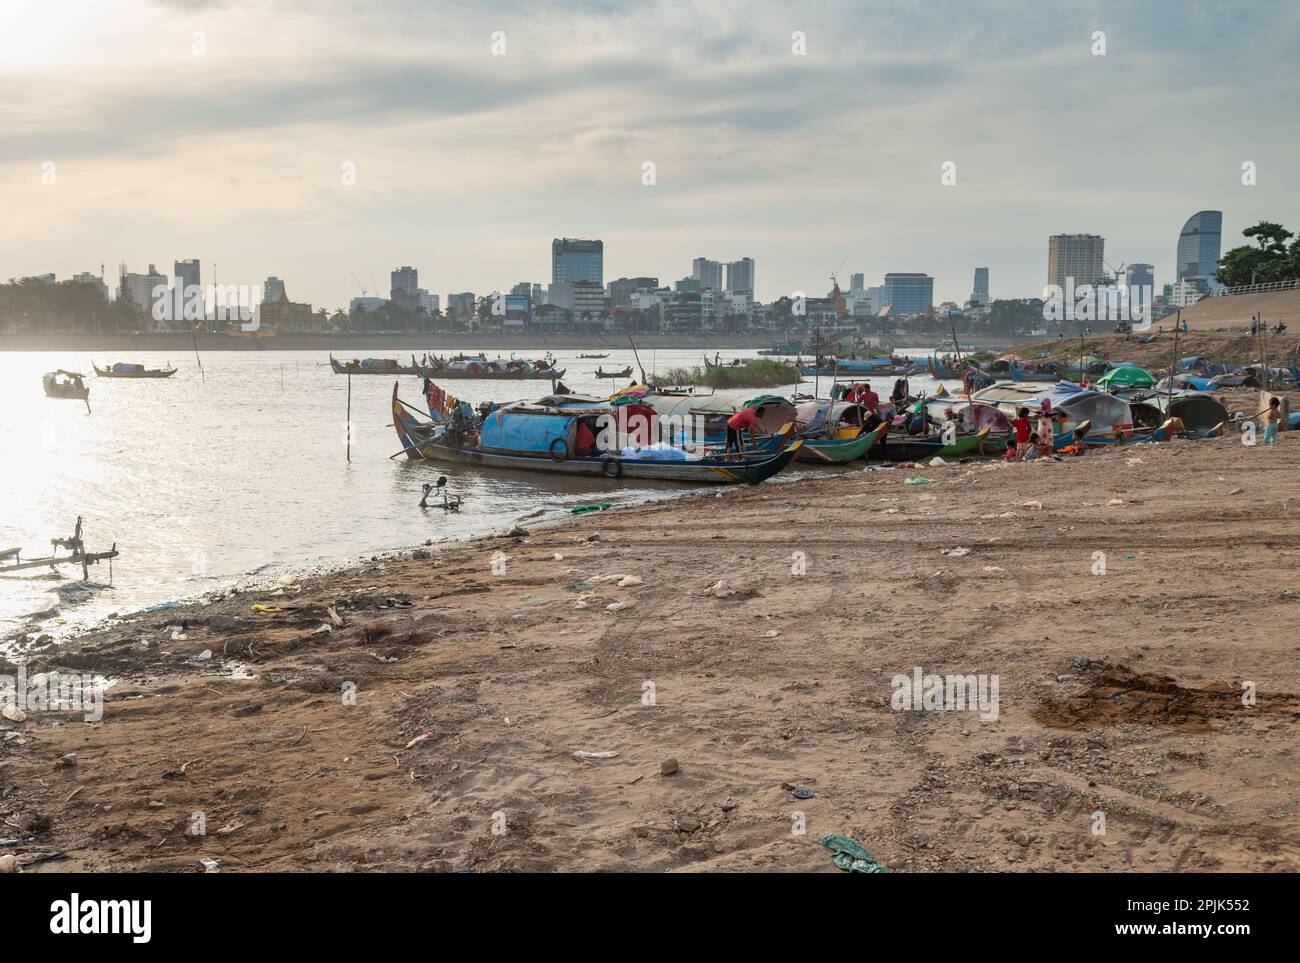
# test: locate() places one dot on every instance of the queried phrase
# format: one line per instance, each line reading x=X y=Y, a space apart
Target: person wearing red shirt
x=743 y=420
x=1023 y=430
x=867 y=398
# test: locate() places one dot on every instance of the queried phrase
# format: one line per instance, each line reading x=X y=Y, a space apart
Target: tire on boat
x=563 y=453
x=611 y=467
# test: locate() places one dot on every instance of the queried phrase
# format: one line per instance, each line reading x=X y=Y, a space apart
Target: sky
x=144 y=131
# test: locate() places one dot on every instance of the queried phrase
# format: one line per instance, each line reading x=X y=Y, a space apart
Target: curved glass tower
x=1199 y=246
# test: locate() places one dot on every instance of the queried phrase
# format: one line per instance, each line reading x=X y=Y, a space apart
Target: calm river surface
x=238 y=473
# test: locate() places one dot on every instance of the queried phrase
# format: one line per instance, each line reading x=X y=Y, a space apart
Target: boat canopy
x=822 y=413
x=1105 y=411
x=776 y=413
x=125 y=367
x=970 y=415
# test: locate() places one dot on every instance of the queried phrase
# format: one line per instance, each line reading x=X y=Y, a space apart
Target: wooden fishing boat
x=541 y=438
x=123 y=370
x=65 y=384
x=900 y=447
x=593 y=357
x=839 y=451
x=374 y=366
x=625 y=373
x=480 y=368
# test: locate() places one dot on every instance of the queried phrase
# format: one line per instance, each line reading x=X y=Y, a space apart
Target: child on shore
x=1272 y=415
x=1012 y=454
x=1023 y=430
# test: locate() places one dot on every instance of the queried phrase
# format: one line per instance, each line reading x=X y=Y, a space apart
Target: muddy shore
x=441 y=736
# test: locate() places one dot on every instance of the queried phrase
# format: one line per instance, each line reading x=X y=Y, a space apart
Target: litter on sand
x=851 y=856
x=956 y=552
x=586 y=756
x=919 y=480
x=584 y=509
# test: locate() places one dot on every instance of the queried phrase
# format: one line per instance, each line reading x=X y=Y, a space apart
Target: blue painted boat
x=537 y=437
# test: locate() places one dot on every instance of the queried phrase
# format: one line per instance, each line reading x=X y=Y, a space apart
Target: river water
x=239 y=473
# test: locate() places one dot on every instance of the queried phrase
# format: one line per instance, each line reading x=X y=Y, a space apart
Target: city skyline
x=214 y=156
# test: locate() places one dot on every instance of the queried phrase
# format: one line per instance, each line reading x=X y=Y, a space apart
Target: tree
x=1270 y=259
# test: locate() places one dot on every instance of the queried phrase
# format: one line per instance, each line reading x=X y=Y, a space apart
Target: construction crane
x=359 y=284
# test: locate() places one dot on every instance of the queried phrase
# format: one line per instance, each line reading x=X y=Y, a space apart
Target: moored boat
x=548 y=438
x=625 y=373
x=374 y=366
x=121 y=369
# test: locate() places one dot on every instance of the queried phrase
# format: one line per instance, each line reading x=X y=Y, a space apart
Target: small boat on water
x=547 y=437
x=374 y=366
x=625 y=373
x=122 y=369
x=514 y=369
x=593 y=357
x=65 y=384
x=840 y=451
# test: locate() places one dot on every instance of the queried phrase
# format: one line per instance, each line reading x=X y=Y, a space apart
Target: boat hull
x=836 y=451
x=903 y=448
x=712 y=470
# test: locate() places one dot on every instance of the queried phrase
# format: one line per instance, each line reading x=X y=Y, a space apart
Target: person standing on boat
x=741 y=424
x=902 y=391
x=867 y=398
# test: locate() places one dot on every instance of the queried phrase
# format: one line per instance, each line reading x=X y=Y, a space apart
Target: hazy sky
x=230 y=146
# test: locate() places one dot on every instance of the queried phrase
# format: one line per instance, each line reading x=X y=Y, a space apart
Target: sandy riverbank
x=1118 y=693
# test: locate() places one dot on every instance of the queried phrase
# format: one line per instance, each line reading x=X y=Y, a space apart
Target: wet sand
x=1119 y=694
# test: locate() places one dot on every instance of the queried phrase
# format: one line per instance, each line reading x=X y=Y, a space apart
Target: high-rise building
x=979 y=294
x=186 y=274
x=1199 y=246
x=1078 y=256
x=575 y=259
x=273 y=291
x=708 y=273
x=740 y=276
x=429 y=303
x=405 y=282
x=139 y=289
x=909 y=293
x=857 y=283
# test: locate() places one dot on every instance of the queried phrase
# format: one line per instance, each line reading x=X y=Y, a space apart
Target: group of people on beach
x=1030 y=441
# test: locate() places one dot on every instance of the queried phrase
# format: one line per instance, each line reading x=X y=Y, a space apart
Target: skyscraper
x=186 y=273
x=1077 y=256
x=740 y=275
x=909 y=292
x=405 y=282
x=708 y=273
x=980 y=290
x=1199 y=246
x=273 y=291
x=575 y=259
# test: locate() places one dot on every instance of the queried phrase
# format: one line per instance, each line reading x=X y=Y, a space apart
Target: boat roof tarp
x=775 y=415
x=1078 y=404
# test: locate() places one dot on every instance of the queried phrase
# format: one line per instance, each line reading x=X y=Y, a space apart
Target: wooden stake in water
x=194 y=333
x=348 y=427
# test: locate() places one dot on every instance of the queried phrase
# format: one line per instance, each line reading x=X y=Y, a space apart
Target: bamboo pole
x=349 y=423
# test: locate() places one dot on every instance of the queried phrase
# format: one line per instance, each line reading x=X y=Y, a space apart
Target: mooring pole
x=348 y=426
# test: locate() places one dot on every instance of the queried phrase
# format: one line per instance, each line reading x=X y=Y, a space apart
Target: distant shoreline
x=423 y=342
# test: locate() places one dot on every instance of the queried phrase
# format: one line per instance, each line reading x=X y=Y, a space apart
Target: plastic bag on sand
x=936 y=462
x=919 y=480
x=720 y=589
